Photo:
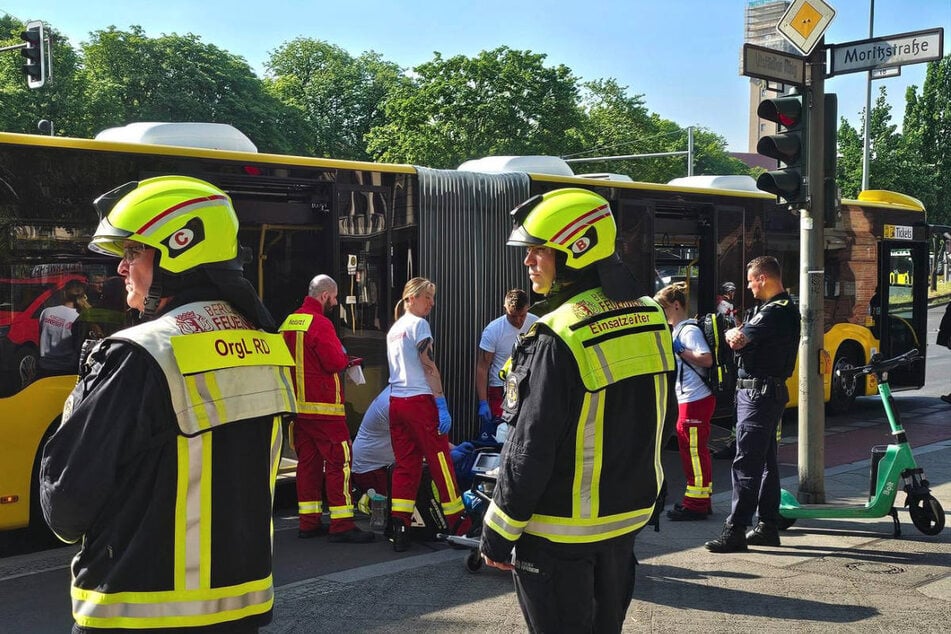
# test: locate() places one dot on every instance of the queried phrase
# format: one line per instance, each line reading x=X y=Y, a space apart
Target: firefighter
x=587 y=396
x=321 y=436
x=165 y=460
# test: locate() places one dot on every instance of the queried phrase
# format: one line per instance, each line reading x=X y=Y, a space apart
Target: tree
x=59 y=101
x=130 y=77
x=927 y=127
x=338 y=95
x=894 y=163
x=501 y=102
x=617 y=124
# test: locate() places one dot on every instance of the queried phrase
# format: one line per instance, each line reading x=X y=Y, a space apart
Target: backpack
x=721 y=376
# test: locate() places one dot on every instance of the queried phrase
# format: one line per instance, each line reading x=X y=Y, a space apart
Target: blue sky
x=682 y=55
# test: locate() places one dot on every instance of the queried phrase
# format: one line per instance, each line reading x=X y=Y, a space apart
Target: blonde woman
x=419 y=416
x=696 y=404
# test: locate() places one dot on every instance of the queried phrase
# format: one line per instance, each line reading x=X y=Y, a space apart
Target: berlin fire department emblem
x=511 y=392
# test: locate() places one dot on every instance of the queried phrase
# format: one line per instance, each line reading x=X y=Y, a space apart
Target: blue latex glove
x=678 y=347
x=445 y=420
x=485 y=415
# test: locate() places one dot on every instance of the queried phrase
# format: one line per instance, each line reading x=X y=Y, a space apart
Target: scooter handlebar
x=879 y=365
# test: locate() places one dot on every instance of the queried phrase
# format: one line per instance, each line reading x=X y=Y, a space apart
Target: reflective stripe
x=176 y=608
x=574 y=530
x=497 y=520
x=341 y=512
x=309 y=507
x=694 y=452
x=586 y=449
x=699 y=493
x=453 y=506
x=347 y=459
x=402 y=506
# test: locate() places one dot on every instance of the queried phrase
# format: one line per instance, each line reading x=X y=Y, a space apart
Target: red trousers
x=494 y=396
x=414 y=423
x=323 y=452
x=693 y=431
x=376 y=479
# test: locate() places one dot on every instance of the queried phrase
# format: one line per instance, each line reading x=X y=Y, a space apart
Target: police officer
x=586 y=397
x=165 y=459
x=766 y=346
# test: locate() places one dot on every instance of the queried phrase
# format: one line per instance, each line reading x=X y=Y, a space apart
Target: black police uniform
x=765 y=362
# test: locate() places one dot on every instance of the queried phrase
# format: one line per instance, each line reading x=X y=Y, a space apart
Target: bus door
x=682 y=237
x=903 y=274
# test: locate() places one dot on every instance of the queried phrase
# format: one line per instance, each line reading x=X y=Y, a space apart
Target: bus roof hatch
x=213 y=136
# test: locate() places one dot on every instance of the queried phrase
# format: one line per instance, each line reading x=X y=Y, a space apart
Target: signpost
x=773 y=65
x=886 y=51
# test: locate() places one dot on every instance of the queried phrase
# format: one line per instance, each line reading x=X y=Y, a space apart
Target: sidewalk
x=828 y=576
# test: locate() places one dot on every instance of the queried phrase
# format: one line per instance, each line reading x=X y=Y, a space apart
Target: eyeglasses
x=129 y=254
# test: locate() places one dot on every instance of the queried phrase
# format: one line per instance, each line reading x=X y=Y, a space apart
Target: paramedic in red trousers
x=766 y=346
x=587 y=394
x=695 y=405
x=163 y=467
x=419 y=415
x=495 y=348
x=321 y=435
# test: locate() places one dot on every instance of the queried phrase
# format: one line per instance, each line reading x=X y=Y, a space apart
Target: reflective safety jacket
x=318 y=361
x=588 y=393
x=164 y=465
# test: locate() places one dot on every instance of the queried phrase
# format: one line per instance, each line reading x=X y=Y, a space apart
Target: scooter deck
x=826 y=510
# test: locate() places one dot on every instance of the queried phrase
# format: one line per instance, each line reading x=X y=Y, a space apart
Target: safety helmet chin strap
x=154 y=296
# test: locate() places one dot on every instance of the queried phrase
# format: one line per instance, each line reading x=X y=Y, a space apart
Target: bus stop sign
x=804 y=23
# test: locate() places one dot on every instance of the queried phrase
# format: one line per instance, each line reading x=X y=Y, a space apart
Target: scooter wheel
x=926 y=514
x=474 y=561
x=785 y=522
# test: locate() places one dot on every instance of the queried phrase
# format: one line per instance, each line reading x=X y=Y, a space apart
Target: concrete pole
x=868 y=102
x=811 y=302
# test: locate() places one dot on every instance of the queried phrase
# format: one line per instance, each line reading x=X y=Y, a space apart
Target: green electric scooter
x=892 y=466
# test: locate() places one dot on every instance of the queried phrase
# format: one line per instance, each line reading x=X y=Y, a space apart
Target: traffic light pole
x=811 y=303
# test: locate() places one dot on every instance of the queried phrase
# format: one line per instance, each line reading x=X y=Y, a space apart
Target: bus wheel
x=842 y=394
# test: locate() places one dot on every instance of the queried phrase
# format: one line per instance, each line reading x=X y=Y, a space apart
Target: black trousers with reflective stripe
x=574 y=588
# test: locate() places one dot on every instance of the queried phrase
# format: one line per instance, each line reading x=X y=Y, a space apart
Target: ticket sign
x=804 y=23
x=899 y=232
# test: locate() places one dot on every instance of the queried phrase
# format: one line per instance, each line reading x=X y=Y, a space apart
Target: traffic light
x=788 y=146
x=34 y=52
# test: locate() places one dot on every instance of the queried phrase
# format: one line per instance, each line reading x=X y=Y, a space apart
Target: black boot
x=731 y=540
x=763 y=534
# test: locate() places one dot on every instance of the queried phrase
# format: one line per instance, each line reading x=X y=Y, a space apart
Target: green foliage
x=501 y=102
x=130 y=77
x=927 y=128
x=336 y=95
x=620 y=125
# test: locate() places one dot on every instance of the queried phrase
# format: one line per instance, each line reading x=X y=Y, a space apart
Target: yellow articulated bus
x=373 y=226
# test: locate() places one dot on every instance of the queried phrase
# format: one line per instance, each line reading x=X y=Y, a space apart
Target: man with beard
x=320 y=429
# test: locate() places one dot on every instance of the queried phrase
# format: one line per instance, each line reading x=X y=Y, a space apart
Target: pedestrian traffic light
x=34 y=52
x=788 y=145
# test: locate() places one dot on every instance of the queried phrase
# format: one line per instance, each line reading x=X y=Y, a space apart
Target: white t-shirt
x=56 y=330
x=499 y=337
x=402 y=353
x=372 y=447
x=690 y=387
